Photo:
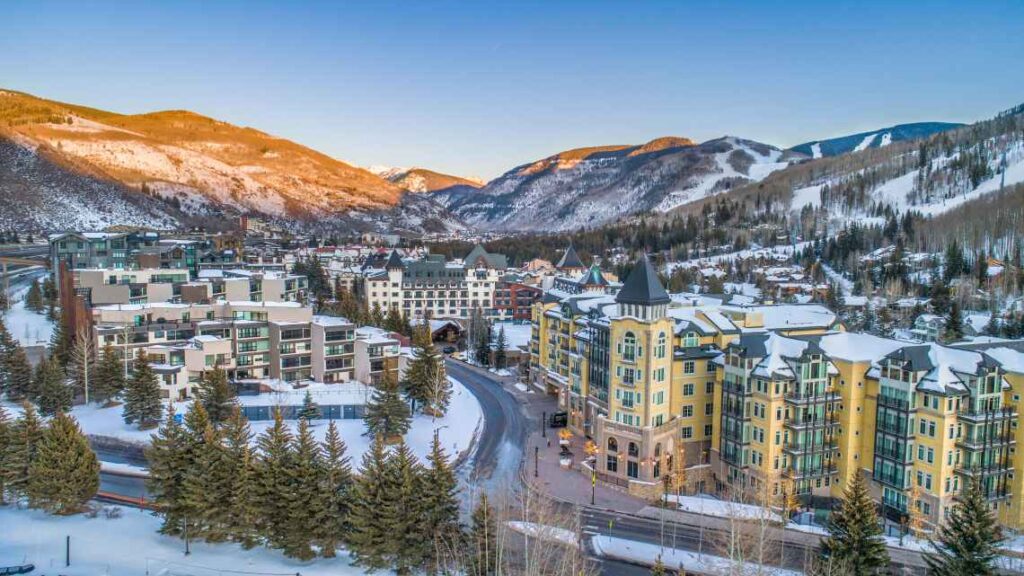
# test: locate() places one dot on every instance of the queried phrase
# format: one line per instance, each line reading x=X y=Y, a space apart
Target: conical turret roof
x=643 y=286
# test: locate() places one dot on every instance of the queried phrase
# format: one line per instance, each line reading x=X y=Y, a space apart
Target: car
x=448 y=349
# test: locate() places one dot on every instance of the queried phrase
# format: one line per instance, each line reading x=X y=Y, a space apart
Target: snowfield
x=130 y=546
x=644 y=553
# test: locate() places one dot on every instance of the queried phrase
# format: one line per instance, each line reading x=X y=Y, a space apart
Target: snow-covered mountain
x=874 y=139
x=591 y=186
x=421 y=180
x=198 y=167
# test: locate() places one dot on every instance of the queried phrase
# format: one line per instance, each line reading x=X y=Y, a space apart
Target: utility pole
x=536 y=461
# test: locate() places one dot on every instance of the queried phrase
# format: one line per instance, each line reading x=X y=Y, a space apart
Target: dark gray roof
x=753 y=344
x=643 y=286
x=570 y=259
x=497 y=261
x=593 y=277
x=394 y=261
x=914 y=358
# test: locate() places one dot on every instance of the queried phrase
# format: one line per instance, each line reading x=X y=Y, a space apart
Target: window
x=689 y=367
x=633 y=450
x=709 y=409
x=632 y=469
x=659 y=398
x=660 y=350
x=612 y=463
x=686 y=432
x=629 y=347
x=709 y=387
x=687 y=389
x=707 y=430
x=687 y=410
x=613 y=445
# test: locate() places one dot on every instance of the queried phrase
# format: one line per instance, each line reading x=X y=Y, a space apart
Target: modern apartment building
x=763 y=401
x=103 y=286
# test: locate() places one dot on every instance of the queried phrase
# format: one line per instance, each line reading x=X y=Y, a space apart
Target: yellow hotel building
x=761 y=399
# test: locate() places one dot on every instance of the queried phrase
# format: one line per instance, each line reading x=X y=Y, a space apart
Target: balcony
x=897 y=403
x=811 y=423
x=986 y=442
x=806 y=448
x=816 y=472
x=972 y=415
x=812 y=397
x=981 y=472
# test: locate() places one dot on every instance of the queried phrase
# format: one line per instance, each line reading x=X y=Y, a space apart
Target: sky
x=477 y=88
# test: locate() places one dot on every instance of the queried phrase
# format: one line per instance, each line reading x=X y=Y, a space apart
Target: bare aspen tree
x=83 y=357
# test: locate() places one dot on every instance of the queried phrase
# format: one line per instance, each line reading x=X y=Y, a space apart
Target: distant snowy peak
x=875 y=139
x=586 y=187
x=422 y=181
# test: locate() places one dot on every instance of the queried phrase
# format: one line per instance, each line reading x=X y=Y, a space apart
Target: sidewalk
x=571 y=485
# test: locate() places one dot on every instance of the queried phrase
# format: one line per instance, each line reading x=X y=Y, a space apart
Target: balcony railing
x=998 y=414
x=811 y=397
x=996 y=441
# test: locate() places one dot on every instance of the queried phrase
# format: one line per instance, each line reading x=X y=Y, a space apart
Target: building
x=514 y=299
x=436 y=288
x=761 y=401
x=103 y=286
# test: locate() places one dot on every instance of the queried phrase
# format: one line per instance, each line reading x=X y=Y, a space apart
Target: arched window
x=660 y=349
x=634 y=451
x=613 y=445
x=629 y=347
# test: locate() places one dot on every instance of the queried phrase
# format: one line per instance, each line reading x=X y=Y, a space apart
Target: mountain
x=587 y=187
x=874 y=139
x=197 y=166
x=421 y=180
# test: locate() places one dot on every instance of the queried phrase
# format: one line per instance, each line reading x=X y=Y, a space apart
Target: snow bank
x=713 y=507
x=27 y=326
x=544 y=532
x=644 y=553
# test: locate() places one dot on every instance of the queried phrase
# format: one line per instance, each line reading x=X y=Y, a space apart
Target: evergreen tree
x=968 y=541
x=7 y=345
x=954 y=324
x=19 y=374
x=483 y=539
x=336 y=490
x=34 y=298
x=65 y=474
x=169 y=461
x=52 y=393
x=310 y=410
x=425 y=383
x=273 y=484
x=207 y=487
x=142 y=395
x=440 y=501
x=499 y=349
x=387 y=414
x=109 y=382
x=483 y=346
x=855 y=535
x=377 y=316
x=6 y=439
x=412 y=541
x=26 y=433
x=371 y=536
x=244 y=516
x=216 y=395
x=308 y=502
x=62 y=341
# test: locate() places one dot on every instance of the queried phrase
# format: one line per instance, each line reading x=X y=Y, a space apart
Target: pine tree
x=499 y=349
x=26 y=434
x=483 y=345
x=6 y=439
x=34 y=298
x=62 y=341
x=968 y=541
x=371 y=537
x=142 y=395
x=308 y=503
x=273 y=485
x=52 y=393
x=109 y=381
x=65 y=474
x=426 y=383
x=387 y=414
x=954 y=323
x=243 y=517
x=168 y=463
x=855 y=535
x=483 y=539
x=337 y=491
x=412 y=542
x=207 y=486
x=440 y=501
x=7 y=345
x=310 y=410
x=19 y=375
x=216 y=395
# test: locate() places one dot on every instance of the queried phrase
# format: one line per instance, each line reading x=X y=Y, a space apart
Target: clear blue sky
x=476 y=88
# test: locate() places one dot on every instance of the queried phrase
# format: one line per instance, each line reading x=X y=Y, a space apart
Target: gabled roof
x=643 y=286
x=497 y=261
x=570 y=259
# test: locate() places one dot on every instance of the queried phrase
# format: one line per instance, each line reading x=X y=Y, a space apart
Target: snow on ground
x=845 y=285
x=456 y=429
x=25 y=325
x=130 y=545
x=644 y=553
x=886 y=139
x=865 y=142
x=544 y=532
x=713 y=507
x=516 y=335
x=816 y=150
x=123 y=469
x=809 y=196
